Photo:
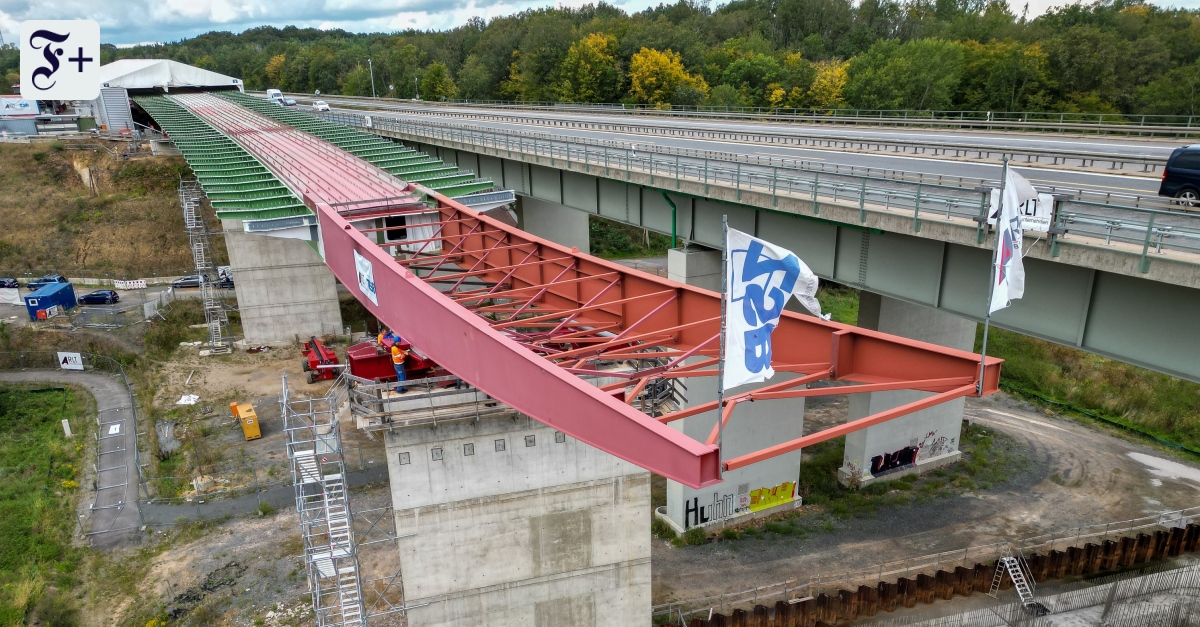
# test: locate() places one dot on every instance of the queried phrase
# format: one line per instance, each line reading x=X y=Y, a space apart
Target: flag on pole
x=1009 y=282
x=760 y=279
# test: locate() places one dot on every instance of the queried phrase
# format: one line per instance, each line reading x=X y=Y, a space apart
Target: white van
x=274 y=95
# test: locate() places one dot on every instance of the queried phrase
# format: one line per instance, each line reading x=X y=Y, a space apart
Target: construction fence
x=828 y=599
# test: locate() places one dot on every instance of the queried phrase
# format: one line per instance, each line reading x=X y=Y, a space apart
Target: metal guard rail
x=1135 y=200
x=1157 y=231
x=1060 y=121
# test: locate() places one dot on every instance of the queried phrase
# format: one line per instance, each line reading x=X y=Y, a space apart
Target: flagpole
x=987 y=308
x=721 y=361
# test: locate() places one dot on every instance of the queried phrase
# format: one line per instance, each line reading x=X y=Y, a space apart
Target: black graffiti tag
x=51 y=54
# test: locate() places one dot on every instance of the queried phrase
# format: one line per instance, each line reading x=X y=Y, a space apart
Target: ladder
x=190 y=197
x=1016 y=570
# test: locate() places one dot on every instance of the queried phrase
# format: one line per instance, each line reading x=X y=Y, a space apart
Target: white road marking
x=114 y=429
x=1036 y=422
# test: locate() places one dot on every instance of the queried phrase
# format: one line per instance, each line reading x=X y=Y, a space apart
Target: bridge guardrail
x=1119 y=123
x=1136 y=200
x=1156 y=231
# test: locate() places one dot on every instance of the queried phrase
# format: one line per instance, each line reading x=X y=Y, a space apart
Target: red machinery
x=317 y=355
x=368 y=361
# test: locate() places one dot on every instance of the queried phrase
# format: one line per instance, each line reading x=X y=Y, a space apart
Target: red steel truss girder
x=581 y=292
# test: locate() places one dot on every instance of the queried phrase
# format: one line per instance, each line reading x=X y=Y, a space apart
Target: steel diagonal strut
x=523 y=319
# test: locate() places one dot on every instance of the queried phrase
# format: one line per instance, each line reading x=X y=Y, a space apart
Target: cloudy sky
x=137 y=21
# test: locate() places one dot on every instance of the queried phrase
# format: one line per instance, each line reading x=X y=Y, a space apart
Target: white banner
x=11 y=296
x=1009 y=283
x=1036 y=213
x=70 y=361
x=366 y=276
x=135 y=284
x=760 y=279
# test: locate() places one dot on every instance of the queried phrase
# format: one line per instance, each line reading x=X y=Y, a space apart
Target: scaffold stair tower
x=190 y=199
x=318 y=475
x=1016 y=570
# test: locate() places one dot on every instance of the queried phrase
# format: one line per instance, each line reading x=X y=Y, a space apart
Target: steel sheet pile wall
x=846 y=605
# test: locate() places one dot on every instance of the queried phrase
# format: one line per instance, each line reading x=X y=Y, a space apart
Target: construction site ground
x=1075 y=474
x=244 y=569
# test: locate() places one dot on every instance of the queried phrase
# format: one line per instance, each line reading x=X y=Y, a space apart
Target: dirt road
x=1076 y=475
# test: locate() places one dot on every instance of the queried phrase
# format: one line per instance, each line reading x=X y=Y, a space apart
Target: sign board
x=60 y=60
x=70 y=361
x=366 y=277
x=18 y=107
x=1036 y=215
x=135 y=284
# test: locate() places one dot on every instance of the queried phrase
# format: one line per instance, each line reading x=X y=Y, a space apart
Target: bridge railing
x=1049 y=120
x=1149 y=231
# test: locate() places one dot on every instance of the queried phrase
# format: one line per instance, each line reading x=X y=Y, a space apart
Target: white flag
x=761 y=278
x=1009 y=283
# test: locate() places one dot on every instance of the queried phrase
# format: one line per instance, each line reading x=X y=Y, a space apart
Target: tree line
x=1110 y=56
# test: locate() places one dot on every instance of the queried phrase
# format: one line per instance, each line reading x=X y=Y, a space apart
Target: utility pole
x=372 y=69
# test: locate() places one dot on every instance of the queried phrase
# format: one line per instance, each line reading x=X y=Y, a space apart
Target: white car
x=320 y=105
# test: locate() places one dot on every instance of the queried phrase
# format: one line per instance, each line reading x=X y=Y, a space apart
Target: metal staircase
x=190 y=197
x=1018 y=571
x=318 y=471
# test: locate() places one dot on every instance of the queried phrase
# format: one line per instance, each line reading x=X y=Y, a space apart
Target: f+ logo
x=60 y=59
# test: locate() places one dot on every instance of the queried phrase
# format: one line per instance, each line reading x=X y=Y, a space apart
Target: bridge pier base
x=284 y=289
x=919 y=441
x=558 y=223
x=696 y=266
x=503 y=521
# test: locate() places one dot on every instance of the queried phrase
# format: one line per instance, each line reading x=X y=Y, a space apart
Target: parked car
x=100 y=297
x=1181 y=176
x=320 y=105
x=289 y=102
x=41 y=282
x=9 y=282
x=187 y=281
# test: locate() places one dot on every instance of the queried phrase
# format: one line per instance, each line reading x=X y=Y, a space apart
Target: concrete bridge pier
x=284 y=289
x=557 y=223
x=919 y=441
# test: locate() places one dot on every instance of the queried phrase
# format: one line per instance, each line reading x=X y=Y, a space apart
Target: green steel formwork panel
x=237 y=185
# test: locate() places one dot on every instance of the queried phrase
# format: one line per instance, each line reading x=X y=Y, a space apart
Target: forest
x=1108 y=57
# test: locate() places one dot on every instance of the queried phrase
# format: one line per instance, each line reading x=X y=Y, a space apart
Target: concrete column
x=761 y=489
x=284 y=289
x=931 y=436
x=558 y=223
x=506 y=522
x=696 y=266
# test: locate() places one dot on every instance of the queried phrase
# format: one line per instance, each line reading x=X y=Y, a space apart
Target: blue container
x=44 y=300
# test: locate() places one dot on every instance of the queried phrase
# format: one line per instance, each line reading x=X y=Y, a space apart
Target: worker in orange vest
x=398 y=355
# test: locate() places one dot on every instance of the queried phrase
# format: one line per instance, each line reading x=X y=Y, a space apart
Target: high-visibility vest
x=379 y=340
x=398 y=354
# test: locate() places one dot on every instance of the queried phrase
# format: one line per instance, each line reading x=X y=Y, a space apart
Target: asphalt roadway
x=112 y=504
x=1045 y=178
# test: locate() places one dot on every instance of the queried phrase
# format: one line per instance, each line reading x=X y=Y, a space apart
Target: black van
x=1181 y=177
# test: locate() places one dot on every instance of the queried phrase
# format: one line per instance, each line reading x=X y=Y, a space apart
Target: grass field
x=40 y=471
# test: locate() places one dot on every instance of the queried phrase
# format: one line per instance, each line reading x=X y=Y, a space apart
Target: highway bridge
x=576 y=346
x=1117 y=269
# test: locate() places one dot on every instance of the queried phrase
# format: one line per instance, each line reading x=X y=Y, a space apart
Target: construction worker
x=398 y=355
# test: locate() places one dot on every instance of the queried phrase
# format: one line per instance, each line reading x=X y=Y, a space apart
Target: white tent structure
x=117 y=78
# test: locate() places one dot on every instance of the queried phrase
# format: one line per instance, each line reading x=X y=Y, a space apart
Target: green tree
x=589 y=72
x=358 y=82
x=1004 y=75
x=829 y=85
x=751 y=75
x=724 y=96
x=274 y=68
x=437 y=84
x=656 y=77
x=1175 y=93
x=920 y=74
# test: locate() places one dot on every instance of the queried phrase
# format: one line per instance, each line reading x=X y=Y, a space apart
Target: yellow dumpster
x=245 y=415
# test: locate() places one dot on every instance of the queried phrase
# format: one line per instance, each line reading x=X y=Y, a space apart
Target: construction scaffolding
x=332 y=532
x=191 y=197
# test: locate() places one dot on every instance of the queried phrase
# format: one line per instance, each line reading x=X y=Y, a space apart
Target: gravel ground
x=1076 y=475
